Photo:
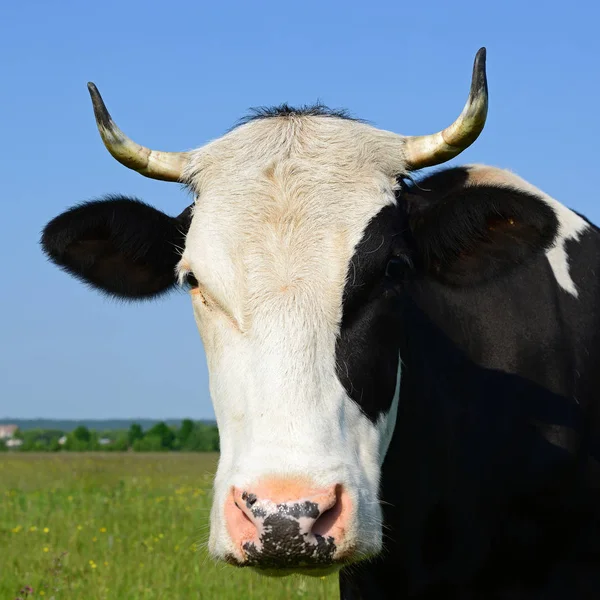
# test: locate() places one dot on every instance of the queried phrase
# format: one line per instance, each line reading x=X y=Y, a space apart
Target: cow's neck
x=486 y=420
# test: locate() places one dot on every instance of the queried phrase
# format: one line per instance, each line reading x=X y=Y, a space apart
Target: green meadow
x=120 y=526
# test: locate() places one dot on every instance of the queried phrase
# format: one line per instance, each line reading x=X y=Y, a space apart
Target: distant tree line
x=190 y=436
x=67 y=425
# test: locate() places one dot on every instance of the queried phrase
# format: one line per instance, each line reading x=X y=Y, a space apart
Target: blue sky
x=177 y=74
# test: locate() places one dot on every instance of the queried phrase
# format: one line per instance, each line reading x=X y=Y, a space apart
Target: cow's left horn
x=167 y=166
x=428 y=150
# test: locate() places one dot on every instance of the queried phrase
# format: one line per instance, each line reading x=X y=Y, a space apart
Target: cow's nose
x=278 y=525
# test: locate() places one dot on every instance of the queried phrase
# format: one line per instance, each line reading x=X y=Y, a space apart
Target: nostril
x=240 y=523
x=246 y=517
x=327 y=521
x=288 y=525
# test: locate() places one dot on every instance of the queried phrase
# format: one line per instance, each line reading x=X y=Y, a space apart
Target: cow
x=403 y=364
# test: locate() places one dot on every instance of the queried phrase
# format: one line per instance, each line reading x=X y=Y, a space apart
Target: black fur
x=118 y=245
x=284 y=110
x=491 y=485
x=368 y=345
x=440 y=229
x=465 y=235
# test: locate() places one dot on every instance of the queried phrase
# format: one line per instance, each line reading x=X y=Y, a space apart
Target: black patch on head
x=121 y=246
x=285 y=110
x=444 y=228
x=368 y=344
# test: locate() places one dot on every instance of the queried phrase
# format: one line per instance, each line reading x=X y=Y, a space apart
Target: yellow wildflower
x=46 y=530
x=102 y=529
x=46 y=549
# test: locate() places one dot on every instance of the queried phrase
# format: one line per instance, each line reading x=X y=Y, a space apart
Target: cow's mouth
x=309 y=570
x=323 y=569
x=275 y=569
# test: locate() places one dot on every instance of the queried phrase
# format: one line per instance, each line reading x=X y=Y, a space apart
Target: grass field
x=120 y=526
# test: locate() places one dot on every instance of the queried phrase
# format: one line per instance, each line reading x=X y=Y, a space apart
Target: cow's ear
x=467 y=230
x=118 y=245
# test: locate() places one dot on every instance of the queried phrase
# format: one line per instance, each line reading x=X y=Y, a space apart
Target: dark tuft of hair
x=285 y=110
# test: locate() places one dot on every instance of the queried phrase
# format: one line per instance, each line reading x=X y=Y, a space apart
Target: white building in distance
x=7 y=431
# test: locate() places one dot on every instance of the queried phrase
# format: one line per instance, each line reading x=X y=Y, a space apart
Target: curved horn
x=428 y=150
x=166 y=166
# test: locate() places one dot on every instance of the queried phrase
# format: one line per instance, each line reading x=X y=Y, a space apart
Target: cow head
x=295 y=251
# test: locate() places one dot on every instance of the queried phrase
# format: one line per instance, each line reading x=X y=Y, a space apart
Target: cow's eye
x=396 y=267
x=191 y=281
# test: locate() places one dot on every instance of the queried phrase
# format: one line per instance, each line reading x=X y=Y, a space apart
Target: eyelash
x=191 y=283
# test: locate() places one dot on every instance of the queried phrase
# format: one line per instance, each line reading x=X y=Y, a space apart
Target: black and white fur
x=431 y=345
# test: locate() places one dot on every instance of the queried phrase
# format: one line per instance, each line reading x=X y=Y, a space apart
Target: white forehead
x=345 y=143
x=281 y=203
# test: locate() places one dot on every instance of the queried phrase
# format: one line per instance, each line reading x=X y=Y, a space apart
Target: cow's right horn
x=167 y=166
x=428 y=150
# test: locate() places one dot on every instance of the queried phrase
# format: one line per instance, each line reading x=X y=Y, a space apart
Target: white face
x=281 y=204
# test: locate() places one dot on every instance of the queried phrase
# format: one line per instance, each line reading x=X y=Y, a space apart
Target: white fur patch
x=571 y=226
x=281 y=205
x=387 y=421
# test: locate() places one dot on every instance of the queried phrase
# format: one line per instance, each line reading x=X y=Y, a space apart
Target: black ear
x=119 y=245
x=467 y=231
